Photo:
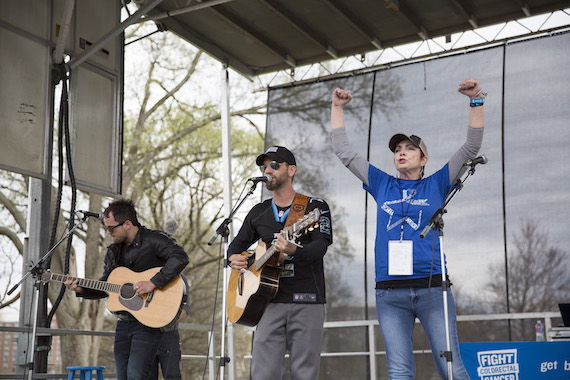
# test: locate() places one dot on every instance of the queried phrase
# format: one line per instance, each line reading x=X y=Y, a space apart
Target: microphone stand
x=224 y=232
x=36 y=271
x=436 y=223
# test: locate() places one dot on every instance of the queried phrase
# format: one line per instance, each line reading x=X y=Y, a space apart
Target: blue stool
x=86 y=372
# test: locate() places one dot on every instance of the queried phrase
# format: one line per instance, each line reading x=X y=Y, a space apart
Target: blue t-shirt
x=413 y=203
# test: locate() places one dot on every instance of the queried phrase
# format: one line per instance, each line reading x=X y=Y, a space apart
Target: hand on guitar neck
x=283 y=245
x=73 y=285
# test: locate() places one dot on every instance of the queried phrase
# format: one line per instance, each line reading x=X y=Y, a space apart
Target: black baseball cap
x=277 y=153
x=416 y=140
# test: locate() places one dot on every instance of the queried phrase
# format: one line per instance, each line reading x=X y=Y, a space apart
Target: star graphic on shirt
x=407 y=197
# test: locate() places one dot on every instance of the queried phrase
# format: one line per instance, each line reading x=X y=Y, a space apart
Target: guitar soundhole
x=127 y=290
x=129 y=297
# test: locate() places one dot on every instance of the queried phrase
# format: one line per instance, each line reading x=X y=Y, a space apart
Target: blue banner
x=517 y=360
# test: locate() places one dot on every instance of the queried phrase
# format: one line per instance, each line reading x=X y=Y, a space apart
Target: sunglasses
x=110 y=229
x=273 y=165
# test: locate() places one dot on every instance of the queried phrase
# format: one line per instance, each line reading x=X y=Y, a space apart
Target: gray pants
x=296 y=328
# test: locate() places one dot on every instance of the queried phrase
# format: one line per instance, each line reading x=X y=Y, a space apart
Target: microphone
x=478 y=160
x=87 y=214
x=265 y=178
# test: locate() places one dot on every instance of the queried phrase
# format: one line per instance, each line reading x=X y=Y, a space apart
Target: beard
x=279 y=181
x=119 y=239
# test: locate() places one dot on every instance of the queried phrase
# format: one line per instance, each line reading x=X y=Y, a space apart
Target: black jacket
x=149 y=249
x=303 y=279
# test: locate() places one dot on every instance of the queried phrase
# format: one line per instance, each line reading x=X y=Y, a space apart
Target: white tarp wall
x=526 y=179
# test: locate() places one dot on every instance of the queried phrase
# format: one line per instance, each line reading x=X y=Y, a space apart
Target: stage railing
x=42 y=331
x=213 y=359
x=371 y=353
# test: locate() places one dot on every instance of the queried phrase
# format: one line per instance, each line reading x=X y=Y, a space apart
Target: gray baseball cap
x=416 y=140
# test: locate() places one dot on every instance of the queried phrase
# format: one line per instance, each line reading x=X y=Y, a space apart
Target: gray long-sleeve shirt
x=358 y=165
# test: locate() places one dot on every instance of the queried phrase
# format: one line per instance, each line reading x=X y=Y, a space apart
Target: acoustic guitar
x=154 y=309
x=249 y=293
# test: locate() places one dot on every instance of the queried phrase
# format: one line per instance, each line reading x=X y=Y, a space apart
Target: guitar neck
x=290 y=231
x=263 y=259
x=271 y=250
x=84 y=283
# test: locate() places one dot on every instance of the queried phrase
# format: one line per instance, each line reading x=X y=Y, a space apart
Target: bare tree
x=538 y=280
x=538 y=273
x=172 y=158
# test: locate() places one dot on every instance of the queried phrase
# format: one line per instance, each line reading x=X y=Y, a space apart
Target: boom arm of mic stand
x=36 y=271
x=36 y=268
x=436 y=220
x=222 y=229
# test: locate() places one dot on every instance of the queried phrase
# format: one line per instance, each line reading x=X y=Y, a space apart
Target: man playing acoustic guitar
x=293 y=320
x=138 y=249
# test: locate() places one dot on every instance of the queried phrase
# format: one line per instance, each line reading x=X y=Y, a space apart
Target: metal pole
x=445 y=312
x=78 y=60
x=212 y=356
x=32 y=346
x=227 y=177
x=64 y=32
x=436 y=223
x=372 y=351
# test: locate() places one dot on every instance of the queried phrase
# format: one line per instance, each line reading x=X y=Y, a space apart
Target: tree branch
x=13 y=210
x=13 y=237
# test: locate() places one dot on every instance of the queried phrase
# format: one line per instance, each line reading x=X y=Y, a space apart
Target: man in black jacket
x=138 y=249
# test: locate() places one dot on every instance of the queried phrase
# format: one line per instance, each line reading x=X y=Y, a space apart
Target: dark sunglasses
x=273 y=165
x=110 y=229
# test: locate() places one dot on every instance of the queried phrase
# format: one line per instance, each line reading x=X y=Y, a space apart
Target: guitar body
x=249 y=293
x=155 y=309
x=162 y=306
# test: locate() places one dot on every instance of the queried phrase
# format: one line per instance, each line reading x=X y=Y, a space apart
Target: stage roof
x=256 y=37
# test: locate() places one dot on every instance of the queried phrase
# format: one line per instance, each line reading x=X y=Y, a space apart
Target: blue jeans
x=397 y=309
x=169 y=356
x=135 y=348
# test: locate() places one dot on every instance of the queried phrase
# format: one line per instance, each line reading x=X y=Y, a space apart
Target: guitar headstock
x=309 y=221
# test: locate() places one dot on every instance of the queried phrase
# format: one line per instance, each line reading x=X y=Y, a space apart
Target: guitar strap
x=297 y=209
x=296 y=212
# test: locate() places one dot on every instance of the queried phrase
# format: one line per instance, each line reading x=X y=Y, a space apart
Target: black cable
x=60 y=181
x=73 y=190
x=63 y=114
x=60 y=175
x=64 y=120
x=371 y=114
x=140 y=38
x=503 y=191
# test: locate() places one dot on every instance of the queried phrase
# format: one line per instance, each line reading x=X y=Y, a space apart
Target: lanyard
x=279 y=218
x=405 y=214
